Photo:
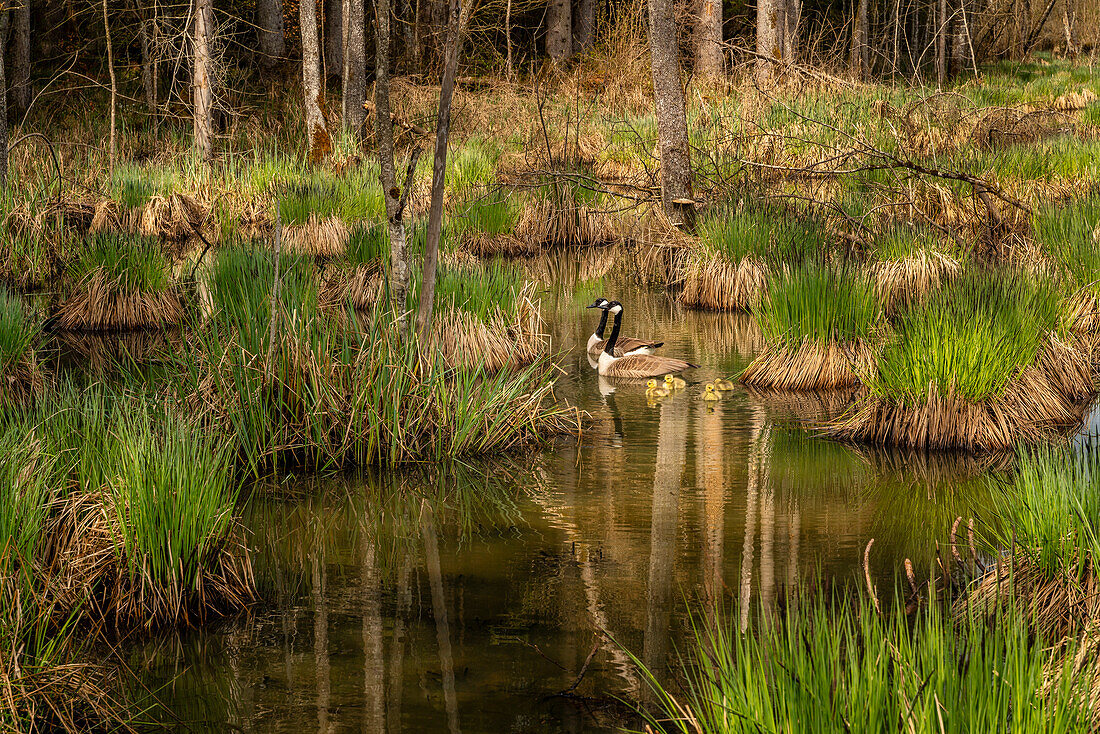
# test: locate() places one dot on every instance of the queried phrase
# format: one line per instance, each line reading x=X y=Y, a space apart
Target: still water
x=502 y=597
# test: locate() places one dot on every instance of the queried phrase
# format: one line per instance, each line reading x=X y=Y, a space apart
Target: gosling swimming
x=673 y=382
x=709 y=393
x=654 y=390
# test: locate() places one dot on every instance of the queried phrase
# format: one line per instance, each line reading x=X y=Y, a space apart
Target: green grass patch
x=17 y=331
x=134 y=264
x=1071 y=235
x=762 y=232
x=971 y=337
x=818 y=302
x=355 y=196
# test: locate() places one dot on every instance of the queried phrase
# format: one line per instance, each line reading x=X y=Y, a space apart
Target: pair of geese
x=625 y=356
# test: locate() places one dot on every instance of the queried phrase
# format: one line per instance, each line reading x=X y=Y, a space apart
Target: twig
x=867 y=576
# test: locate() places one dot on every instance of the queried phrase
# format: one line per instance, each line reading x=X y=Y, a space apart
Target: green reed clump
x=241 y=284
x=1051 y=510
x=493 y=214
x=134 y=264
x=764 y=233
x=354 y=196
x=899 y=240
x=829 y=667
x=969 y=338
x=368 y=244
x=818 y=302
x=1071 y=235
x=478 y=289
x=17 y=332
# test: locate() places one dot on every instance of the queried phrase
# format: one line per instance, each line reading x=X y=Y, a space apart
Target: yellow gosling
x=653 y=390
x=709 y=393
x=723 y=385
x=675 y=383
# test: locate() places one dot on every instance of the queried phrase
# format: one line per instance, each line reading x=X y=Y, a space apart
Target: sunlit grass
x=762 y=232
x=17 y=331
x=822 y=303
x=132 y=264
x=1070 y=234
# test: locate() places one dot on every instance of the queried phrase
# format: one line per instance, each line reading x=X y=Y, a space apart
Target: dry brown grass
x=901 y=283
x=505 y=341
x=805 y=409
x=98 y=305
x=713 y=283
x=22 y=383
x=812 y=366
x=1046 y=396
x=557 y=220
x=177 y=219
x=483 y=244
x=317 y=237
x=85 y=569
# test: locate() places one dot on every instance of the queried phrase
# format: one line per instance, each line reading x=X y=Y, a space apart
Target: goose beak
x=593 y=305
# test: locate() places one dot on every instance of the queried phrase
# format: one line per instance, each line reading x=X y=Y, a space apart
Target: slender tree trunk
x=769 y=38
x=672 y=134
x=113 y=150
x=21 y=57
x=709 y=57
x=320 y=143
x=958 y=40
x=202 y=91
x=508 y=38
x=941 y=42
x=334 y=37
x=584 y=25
x=559 y=30
x=383 y=122
x=146 y=27
x=793 y=17
x=3 y=102
x=1068 y=23
x=456 y=27
x=859 y=60
x=355 y=66
x=442 y=624
x=272 y=37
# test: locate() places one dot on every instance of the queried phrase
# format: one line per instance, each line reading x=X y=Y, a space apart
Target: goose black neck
x=603 y=324
x=609 y=347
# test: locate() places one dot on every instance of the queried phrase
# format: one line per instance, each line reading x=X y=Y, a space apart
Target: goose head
x=598 y=303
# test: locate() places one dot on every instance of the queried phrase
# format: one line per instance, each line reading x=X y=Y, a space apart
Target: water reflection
x=500 y=597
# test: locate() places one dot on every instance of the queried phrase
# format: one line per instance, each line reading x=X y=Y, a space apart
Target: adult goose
x=626 y=344
x=633 y=365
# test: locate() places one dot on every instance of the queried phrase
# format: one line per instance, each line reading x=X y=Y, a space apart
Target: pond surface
x=503 y=597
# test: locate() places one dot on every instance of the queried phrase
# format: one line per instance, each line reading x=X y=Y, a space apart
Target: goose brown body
x=635 y=366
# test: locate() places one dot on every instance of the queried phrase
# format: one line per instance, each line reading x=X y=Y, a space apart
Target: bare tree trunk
x=21 y=57
x=672 y=134
x=769 y=38
x=860 y=57
x=272 y=37
x=456 y=27
x=958 y=40
x=584 y=25
x=383 y=122
x=709 y=57
x=559 y=30
x=320 y=143
x=113 y=150
x=793 y=17
x=941 y=42
x=1068 y=23
x=146 y=26
x=202 y=91
x=334 y=37
x=3 y=102
x=355 y=66
x=508 y=38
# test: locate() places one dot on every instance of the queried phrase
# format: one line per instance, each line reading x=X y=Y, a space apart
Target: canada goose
x=653 y=390
x=709 y=393
x=625 y=345
x=723 y=385
x=672 y=382
x=633 y=365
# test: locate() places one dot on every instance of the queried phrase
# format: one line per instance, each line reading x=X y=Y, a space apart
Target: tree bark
x=203 y=94
x=272 y=37
x=112 y=149
x=355 y=66
x=709 y=57
x=941 y=43
x=668 y=94
x=958 y=40
x=584 y=25
x=21 y=57
x=508 y=38
x=146 y=27
x=769 y=37
x=3 y=102
x=334 y=37
x=317 y=135
x=859 y=59
x=559 y=30
x=793 y=17
x=383 y=125
x=455 y=28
